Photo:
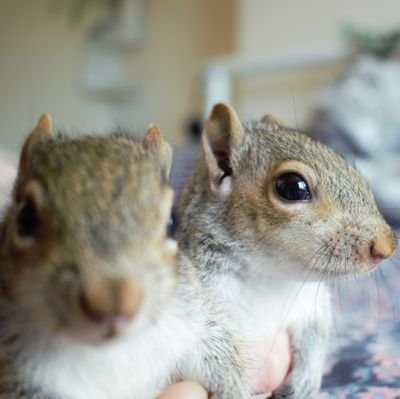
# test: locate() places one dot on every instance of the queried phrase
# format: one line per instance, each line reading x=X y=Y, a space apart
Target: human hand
x=271 y=367
x=184 y=390
x=272 y=360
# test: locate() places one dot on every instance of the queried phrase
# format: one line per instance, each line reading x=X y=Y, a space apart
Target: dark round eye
x=292 y=187
x=27 y=219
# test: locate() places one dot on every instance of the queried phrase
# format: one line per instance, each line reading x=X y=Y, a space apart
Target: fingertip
x=184 y=390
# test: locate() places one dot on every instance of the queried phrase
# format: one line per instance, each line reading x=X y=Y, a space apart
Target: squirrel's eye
x=27 y=219
x=292 y=187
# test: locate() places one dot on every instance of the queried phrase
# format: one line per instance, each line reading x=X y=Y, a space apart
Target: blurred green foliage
x=381 y=45
x=76 y=9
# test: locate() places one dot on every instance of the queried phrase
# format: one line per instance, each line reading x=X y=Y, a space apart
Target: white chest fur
x=269 y=306
x=134 y=368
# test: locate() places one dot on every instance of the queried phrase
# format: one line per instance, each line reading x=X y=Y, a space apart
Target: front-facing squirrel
x=92 y=301
x=268 y=215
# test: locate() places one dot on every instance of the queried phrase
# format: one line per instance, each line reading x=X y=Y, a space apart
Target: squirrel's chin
x=92 y=338
x=87 y=333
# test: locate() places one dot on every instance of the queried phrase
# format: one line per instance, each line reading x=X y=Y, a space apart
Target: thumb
x=184 y=390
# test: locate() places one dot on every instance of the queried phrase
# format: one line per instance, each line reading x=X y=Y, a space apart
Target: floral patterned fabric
x=364 y=360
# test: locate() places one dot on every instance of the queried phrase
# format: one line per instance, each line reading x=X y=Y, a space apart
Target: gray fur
x=102 y=208
x=241 y=238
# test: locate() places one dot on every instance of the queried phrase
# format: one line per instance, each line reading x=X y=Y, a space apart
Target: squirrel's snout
x=110 y=303
x=383 y=246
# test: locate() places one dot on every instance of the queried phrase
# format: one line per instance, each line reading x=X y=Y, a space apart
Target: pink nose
x=383 y=245
x=379 y=252
x=112 y=302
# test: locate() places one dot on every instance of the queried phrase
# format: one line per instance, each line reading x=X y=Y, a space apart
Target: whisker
x=390 y=294
x=333 y=307
x=317 y=291
x=313 y=260
x=378 y=293
x=294 y=109
x=339 y=290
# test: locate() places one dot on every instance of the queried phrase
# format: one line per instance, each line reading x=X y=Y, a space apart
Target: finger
x=272 y=361
x=184 y=390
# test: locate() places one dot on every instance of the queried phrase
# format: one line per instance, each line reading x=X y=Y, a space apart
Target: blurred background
x=329 y=67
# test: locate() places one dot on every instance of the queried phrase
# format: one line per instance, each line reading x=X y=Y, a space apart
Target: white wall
x=280 y=27
x=182 y=35
x=40 y=71
x=42 y=58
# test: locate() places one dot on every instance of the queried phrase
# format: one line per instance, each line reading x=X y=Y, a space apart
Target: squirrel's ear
x=43 y=130
x=274 y=119
x=222 y=138
x=154 y=142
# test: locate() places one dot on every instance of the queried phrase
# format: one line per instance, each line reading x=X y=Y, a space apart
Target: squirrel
x=268 y=216
x=95 y=299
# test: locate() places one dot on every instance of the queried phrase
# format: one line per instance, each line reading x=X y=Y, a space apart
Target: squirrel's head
x=84 y=251
x=285 y=197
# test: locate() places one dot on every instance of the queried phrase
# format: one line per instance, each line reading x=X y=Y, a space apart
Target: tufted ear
x=155 y=142
x=43 y=130
x=222 y=138
x=274 y=119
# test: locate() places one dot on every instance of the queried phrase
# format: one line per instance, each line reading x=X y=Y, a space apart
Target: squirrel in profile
x=95 y=299
x=267 y=217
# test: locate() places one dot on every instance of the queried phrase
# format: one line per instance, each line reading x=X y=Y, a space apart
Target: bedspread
x=364 y=358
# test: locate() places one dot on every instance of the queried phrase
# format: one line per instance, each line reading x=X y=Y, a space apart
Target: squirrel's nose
x=383 y=246
x=112 y=303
